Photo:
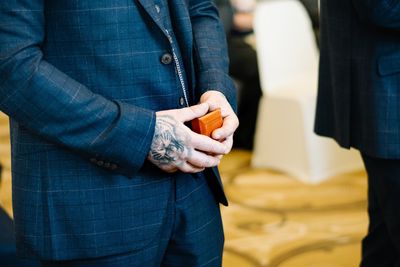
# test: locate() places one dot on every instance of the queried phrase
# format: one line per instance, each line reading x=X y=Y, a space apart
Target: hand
x=243 y=21
x=215 y=100
x=176 y=147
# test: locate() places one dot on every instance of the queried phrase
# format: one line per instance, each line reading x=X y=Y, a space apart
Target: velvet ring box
x=208 y=123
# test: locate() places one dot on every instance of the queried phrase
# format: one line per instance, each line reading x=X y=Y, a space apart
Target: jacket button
x=166 y=59
x=113 y=166
x=181 y=101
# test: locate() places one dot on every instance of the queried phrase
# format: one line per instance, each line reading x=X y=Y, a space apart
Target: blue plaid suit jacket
x=359 y=85
x=81 y=81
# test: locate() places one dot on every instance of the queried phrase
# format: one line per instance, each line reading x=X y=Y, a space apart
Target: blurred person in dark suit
x=105 y=172
x=237 y=16
x=8 y=253
x=359 y=104
x=313 y=12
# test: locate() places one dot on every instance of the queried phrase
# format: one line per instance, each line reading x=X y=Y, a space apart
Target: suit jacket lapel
x=180 y=20
x=150 y=7
x=183 y=31
x=179 y=17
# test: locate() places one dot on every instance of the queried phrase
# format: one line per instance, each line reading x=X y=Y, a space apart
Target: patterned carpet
x=273 y=220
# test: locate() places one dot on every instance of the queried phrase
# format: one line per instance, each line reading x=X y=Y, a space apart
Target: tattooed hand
x=176 y=147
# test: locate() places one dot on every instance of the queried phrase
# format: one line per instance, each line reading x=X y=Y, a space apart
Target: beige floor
x=273 y=220
x=5 y=188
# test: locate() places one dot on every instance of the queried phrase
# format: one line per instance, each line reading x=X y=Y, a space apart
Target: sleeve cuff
x=132 y=137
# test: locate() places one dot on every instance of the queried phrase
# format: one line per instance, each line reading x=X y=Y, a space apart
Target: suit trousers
x=191 y=235
x=381 y=246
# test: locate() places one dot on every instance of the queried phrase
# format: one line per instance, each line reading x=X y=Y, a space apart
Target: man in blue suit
x=105 y=171
x=359 y=106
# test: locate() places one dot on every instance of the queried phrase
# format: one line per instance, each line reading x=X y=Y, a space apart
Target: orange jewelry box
x=208 y=123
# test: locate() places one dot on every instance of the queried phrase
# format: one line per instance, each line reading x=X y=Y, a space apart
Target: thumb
x=193 y=112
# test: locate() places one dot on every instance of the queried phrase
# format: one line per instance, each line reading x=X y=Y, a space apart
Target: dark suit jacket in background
x=226 y=14
x=312 y=9
x=359 y=82
x=81 y=81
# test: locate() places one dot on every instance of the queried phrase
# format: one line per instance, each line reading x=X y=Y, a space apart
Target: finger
x=228 y=142
x=189 y=168
x=217 y=100
x=202 y=160
x=169 y=169
x=229 y=126
x=207 y=144
x=193 y=112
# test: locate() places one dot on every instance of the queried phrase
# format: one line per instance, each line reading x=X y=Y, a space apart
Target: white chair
x=288 y=63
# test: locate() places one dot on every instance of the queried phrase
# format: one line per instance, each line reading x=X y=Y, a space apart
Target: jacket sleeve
x=382 y=13
x=50 y=104
x=225 y=10
x=210 y=48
